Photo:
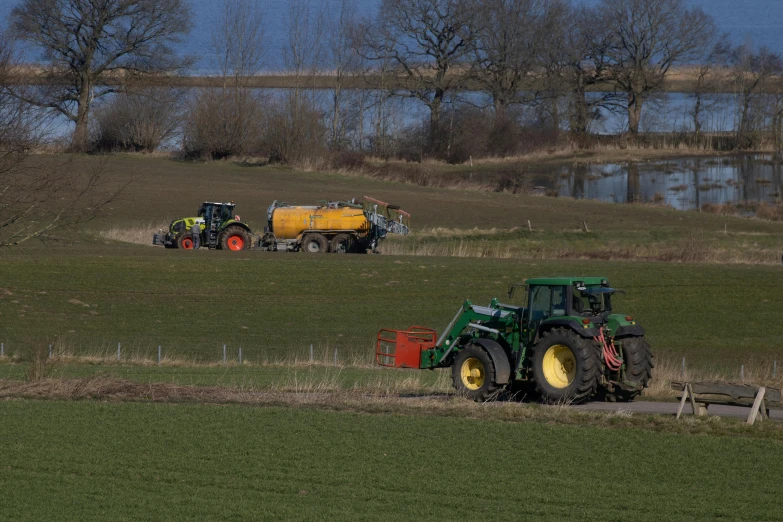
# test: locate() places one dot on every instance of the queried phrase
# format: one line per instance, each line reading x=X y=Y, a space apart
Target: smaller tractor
x=565 y=344
x=220 y=229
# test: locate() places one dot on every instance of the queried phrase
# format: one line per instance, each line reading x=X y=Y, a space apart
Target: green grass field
x=87 y=294
x=93 y=460
x=275 y=306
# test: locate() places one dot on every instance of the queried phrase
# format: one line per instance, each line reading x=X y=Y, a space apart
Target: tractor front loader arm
x=418 y=348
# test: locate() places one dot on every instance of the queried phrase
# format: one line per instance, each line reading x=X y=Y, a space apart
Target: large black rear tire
x=315 y=244
x=638 y=359
x=342 y=244
x=234 y=238
x=473 y=374
x=566 y=367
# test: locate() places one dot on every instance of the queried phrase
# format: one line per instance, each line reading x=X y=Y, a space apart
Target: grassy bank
x=108 y=460
x=446 y=222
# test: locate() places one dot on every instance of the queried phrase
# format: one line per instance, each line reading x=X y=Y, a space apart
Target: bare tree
x=93 y=45
x=344 y=61
x=431 y=41
x=226 y=121
x=295 y=127
x=509 y=37
x=304 y=52
x=710 y=75
x=649 y=36
x=138 y=121
x=581 y=42
x=753 y=72
x=238 y=42
x=39 y=195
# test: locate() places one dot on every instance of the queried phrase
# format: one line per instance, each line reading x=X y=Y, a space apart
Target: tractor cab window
x=540 y=302
x=558 y=301
x=226 y=212
x=201 y=211
x=592 y=301
x=547 y=301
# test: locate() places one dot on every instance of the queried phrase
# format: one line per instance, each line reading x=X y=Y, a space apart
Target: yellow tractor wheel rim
x=559 y=366
x=473 y=373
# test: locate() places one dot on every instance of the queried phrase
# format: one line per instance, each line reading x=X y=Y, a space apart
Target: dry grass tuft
x=137 y=234
x=692 y=249
x=40 y=366
x=765 y=211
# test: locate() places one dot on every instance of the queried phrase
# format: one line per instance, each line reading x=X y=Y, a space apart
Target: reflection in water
x=684 y=184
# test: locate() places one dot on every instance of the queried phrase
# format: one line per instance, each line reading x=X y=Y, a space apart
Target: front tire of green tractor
x=473 y=374
x=638 y=359
x=566 y=367
x=234 y=238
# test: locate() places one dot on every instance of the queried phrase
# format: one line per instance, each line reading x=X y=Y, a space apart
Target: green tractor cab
x=220 y=229
x=564 y=343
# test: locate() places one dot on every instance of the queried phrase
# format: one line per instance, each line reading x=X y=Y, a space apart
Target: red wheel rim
x=235 y=243
x=187 y=243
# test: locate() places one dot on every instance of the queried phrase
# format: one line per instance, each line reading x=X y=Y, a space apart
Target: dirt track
x=670 y=408
x=122 y=390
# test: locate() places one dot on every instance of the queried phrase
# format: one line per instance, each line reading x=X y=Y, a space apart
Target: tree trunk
x=697 y=114
x=500 y=108
x=634 y=113
x=555 y=112
x=337 y=111
x=777 y=126
x=744 y=125
x=435 y=113
x=81 y=134
x=579 y=110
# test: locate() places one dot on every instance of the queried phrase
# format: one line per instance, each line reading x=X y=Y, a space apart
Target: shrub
x=294 y=131
x=223 y=123
x=138 y=122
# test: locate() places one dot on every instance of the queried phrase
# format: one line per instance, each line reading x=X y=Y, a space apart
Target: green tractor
x=565 y=344
x=220 y=229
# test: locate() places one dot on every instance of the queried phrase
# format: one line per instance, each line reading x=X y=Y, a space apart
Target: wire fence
x=223 y=354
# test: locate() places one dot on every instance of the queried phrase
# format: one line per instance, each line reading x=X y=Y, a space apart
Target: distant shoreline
x=681 y=80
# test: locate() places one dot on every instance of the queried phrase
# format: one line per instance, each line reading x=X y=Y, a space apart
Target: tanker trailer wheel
x=234 y=238
x=566 y=367
x=638 y=359
x=473 y=374
x=342 y=244
x=315 y=244
x=185 y=242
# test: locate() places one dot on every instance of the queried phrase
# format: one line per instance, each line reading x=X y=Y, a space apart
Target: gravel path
x=670 y=408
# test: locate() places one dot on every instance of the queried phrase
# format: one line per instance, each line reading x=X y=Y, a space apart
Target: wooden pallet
x=702 y=394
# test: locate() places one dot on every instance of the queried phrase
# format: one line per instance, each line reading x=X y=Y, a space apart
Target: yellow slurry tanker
x=337 y=226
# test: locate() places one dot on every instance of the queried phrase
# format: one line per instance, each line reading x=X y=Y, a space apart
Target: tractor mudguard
x=632 y=330
x=499 y=359
x=233 y=223
x=587 y=333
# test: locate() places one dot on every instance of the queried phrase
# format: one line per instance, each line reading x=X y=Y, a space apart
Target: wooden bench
x=703 y=394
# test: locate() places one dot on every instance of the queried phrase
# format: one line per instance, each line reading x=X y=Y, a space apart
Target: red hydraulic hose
x=611 y=357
